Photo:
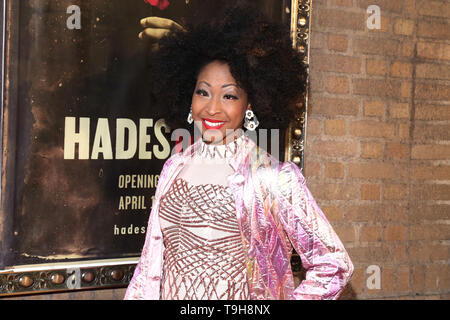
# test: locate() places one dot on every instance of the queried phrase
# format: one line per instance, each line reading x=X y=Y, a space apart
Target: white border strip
x=65 y=265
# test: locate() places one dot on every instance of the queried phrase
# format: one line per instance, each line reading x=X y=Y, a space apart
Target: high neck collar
x=220 y=151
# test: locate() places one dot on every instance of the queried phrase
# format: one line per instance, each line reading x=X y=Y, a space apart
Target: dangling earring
x=251 y=122
x=189 y=118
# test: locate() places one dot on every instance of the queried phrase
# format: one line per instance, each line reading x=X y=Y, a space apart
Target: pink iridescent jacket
x=275 y=212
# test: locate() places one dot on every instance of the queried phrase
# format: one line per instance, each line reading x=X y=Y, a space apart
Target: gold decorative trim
x=70 y=277
x=300 y=33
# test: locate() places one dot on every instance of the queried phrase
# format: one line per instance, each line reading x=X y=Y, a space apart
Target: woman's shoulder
x=173 y=159
x=279 y=175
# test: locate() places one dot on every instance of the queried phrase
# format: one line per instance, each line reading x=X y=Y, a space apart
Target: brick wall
x=378 y=140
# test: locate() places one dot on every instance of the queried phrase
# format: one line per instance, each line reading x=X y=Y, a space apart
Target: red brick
x=370 y=233
x=346 y=233
x=357 y=281
x=317 y=82
x=373 y=170
x=425 y=131
x=430 y=192
x=395 y=191
x=385 y=23
x=373 y=254
x=372 y=150
x=333 y=213
x=319 y=41
x=387 y=279
x=401 y=69
x=313 y=127
x=334 y=170
x=422 y=251
x=379 y=88
x=444 y=278
x=430 y=151
x=432 y=91
x=311 y=169
x=333 y=106
x=368 y=128
x=436 y=30
x=370 y=192
x=421 y=212
x=406 y=89
x=338 y=85
x=385 y=5
x=432 y=112
x=335 y=127
x=403 y=278
x=432 y=277
x=407 y=48
x=396 y=151
x=404 y=130
x=333 y=148
x=400 y=253
x=343 y=3
x=376 y=67
x=399 y=110
x=404 y=27
x=433 y=50
x=336 y=63
x=374 y=108
x=433 y=8
x=377 y=46
x=433 y=231
x=433 y=71
x=395 y=232
x=334 y=191
x=337 y=42
x=430 y=172
x=340 y=19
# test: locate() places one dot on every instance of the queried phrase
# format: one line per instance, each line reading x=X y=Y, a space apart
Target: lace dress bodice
x=203 y=256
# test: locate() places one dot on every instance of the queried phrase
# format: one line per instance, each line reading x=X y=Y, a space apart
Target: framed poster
x=82 y=145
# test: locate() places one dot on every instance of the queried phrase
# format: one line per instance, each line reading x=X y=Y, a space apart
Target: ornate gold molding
x=300 y=33
x=64 y=278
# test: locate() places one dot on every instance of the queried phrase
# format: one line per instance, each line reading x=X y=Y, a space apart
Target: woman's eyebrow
x=205 y=83
x=227 y=85
x=224 y=86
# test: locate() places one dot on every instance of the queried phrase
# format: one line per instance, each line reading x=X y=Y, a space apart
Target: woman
x=227 y=214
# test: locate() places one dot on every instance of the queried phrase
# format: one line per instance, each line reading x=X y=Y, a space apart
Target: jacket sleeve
x=328 y=266
x=142 y=286
x=146 y=280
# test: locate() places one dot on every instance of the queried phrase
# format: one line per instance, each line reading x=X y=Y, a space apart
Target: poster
x=82 y=144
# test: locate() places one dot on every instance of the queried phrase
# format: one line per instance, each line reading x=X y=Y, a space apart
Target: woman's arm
x=328 y=266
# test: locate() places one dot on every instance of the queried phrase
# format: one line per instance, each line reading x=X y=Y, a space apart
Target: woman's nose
x=213 y=107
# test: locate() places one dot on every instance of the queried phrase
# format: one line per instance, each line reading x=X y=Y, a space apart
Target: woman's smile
x=212 y=124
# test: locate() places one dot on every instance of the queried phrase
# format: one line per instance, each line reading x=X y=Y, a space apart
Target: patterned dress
x=203 y=256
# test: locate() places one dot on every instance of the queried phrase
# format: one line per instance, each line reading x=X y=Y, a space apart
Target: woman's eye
x=201 y=92
x=230 y=96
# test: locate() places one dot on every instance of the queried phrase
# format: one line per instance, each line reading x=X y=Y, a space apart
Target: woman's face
x=218 y=103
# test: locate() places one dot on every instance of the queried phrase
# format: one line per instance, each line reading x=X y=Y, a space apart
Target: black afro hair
x=260 y=56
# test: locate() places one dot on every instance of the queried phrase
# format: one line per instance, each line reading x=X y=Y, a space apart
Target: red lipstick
x=208 y=127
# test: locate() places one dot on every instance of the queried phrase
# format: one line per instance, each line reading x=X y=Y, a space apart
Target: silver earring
x=251 y=122
x=189 y=118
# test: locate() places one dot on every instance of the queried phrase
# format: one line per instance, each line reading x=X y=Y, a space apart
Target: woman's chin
x=212 y=136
